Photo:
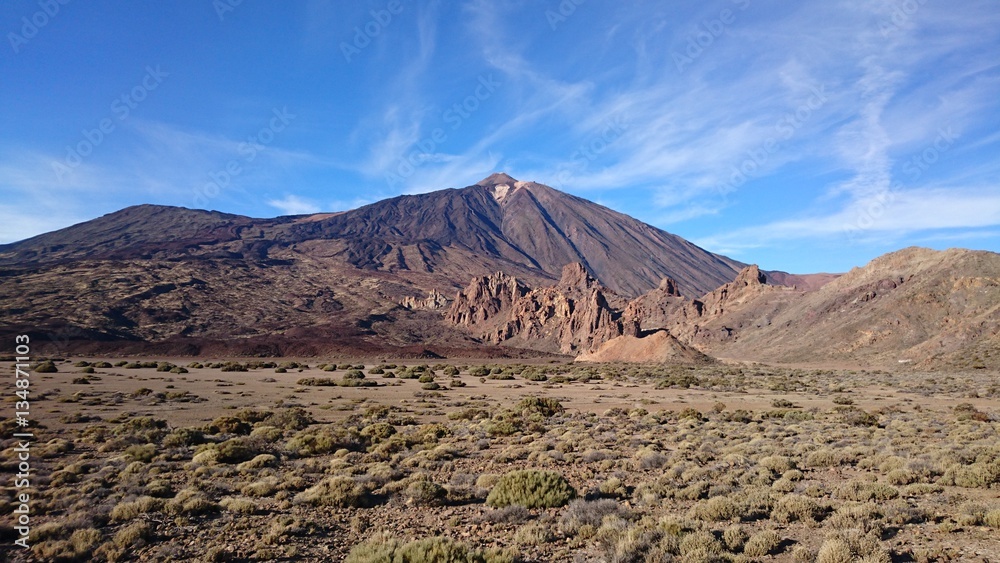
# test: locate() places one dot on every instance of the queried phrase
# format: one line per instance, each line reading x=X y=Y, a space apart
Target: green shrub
x=229 y=425
x=258 y=462
x=531 y=489
x=423 y=492
x=534 y=376
x=235 y=451
x=378 y=432
x=325 y=439
x=976 y=475
x=542 y=405
x=144 y=428
x=144 y=453
x=47 y=366
x=183 y=437
x=295 y=418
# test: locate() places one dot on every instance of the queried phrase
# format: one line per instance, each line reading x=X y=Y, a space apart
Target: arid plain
x=262 y=460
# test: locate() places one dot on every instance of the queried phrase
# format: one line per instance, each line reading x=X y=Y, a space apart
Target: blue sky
x=806 y=137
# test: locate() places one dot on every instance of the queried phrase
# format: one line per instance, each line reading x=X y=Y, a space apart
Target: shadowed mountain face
x=526 y=229
x=522 y=228
x=152 y=273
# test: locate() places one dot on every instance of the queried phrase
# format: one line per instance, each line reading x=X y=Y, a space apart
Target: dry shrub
x=133 y=535
x=582 y=513
x=762 y=544
x=863 y=491
x=238 y=505
x=338 y=491
x=532 y=534
x=191 y=502
x=385 y=549
x=975 y=476
x=262 y=488
x=325 y=439
x=424 y=492
x=792 y=508
x=849 y=546
x=700 y=546
x=716 y=509
x=126 y=511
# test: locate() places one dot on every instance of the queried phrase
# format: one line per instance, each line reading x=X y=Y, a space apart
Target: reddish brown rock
x=574 y=315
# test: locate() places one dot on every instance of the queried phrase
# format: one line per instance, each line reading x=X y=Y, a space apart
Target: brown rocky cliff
x=485 y=298
x=577 y=314
x=658 y=308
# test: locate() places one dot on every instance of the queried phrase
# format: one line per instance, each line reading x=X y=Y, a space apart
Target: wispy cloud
x=294 y=205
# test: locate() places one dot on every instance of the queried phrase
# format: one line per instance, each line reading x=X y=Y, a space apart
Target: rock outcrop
x=657 y=347
x=434 y=301
x=577 y=314
x=484 y=299
x=657 y=309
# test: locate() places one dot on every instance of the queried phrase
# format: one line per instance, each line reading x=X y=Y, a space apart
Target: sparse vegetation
x=596 y=463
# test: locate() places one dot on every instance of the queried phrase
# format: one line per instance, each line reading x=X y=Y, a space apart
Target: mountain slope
x=917 y=305
x=375 y=274
x=526 y=229
x=523 y=228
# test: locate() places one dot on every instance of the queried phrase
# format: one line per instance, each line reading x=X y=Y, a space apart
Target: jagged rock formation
x=658 y=308
x=574 y=315
x=578 y=316
x=434 y=301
